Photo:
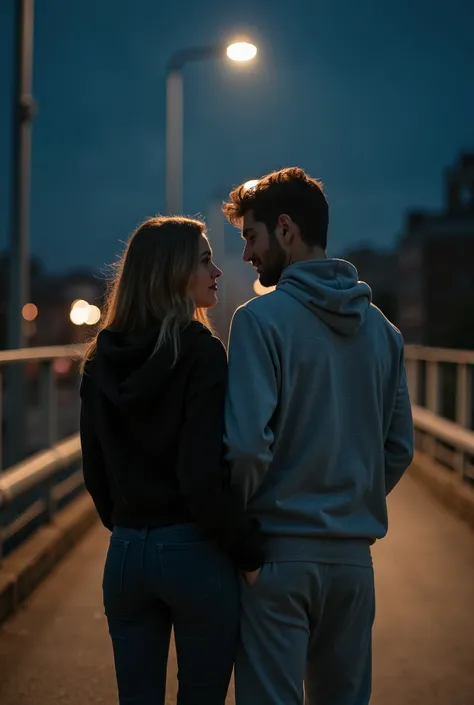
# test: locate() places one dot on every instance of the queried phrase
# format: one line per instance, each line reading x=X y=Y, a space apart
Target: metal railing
x=33 y=490
x=441 y=388
x=45 y=377
x=441 y=383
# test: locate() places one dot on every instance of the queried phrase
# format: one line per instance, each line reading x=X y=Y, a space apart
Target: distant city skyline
x=376 y=101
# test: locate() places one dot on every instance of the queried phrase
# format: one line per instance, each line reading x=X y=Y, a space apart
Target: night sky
x=375 y=98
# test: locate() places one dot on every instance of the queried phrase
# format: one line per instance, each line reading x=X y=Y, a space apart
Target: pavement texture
x=55 y=649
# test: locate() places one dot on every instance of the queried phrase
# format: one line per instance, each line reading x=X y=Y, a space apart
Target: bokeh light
x=29 y=312
x=62 y=365
x=83 y=313
x=93 y=316
x=261 y=290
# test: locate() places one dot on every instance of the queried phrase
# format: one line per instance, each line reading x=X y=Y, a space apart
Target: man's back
x=326 y=431
x=319 y=430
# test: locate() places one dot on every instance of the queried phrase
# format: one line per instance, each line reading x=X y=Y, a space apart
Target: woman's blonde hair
x=151 y=282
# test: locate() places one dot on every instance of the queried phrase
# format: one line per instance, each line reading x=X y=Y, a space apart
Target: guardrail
x=441 y=388
x=33 y=490
x=46 y=358
x=441 y=383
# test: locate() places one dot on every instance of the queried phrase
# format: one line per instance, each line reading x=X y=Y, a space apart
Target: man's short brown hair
x=289 y=191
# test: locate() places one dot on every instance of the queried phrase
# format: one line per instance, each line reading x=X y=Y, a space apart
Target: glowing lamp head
x=241 y=51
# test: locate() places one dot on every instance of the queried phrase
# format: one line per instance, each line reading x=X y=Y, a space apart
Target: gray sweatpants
x=306 y=622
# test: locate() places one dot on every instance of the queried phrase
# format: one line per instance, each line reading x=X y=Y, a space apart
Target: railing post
x=412 y=368
x=1 y=429
x=432 y=387
x=49 y=415
x=463 y=407
x=48 y=403
x=464 y=395
x=432 y=399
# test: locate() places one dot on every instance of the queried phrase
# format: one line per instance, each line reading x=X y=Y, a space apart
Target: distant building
x=380 y=271
x=436 y=267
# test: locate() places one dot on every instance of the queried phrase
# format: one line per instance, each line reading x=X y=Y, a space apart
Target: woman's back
x=137 y=425
x=152 y=428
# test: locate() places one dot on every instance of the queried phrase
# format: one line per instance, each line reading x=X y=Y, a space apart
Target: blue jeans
x=159 y=578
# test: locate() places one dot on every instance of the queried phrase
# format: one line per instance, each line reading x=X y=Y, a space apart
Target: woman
x=152 y=413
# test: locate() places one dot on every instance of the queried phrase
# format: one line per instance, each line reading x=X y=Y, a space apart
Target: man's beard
x=273 y=264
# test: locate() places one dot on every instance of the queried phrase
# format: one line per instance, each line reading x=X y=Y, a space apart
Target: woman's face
x=203 y=283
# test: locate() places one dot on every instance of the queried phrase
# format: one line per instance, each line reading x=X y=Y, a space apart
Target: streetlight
x=238 y=51
x=23 y=107
x=23 y=111
x=241 y=51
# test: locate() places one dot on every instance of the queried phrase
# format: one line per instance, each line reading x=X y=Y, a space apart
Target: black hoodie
x=152 y=438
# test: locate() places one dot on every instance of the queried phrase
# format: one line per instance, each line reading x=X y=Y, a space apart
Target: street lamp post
x=19 y=247
x=23 y=116
x=239 y=51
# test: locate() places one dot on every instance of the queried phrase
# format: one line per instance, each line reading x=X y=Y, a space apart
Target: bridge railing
x=33 y=490
x=441 y=383
x=441 y=386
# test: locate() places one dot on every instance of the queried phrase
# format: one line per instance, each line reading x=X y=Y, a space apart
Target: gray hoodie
x=318 y=419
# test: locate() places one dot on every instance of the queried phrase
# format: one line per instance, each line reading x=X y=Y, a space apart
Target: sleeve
x=93 y=467
x=252 y=397
x=202 y=473
x=399 y=443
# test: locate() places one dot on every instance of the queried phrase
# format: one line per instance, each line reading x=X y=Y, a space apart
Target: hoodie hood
x=331 y=289
x=128 y=371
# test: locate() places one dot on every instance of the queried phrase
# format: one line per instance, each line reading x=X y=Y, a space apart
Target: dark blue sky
x=374 y=97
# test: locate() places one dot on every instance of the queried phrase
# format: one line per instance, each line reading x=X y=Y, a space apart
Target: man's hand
x=251 y=576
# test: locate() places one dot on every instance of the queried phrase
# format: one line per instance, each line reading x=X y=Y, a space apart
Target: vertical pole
x=432 y=400
x=1 y=419
x=432 y=387
x=412 y=367
x=464 y=395
x=48 y=403
x=463 y=407
x=19 y=248
x=174 y=142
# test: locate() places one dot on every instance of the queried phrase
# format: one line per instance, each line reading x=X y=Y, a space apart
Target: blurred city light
x=93 y=316
x=261 y=290
x=84 y=313
x=241 y=51
x=250 y=184
x=29 y=312
x=62 y=365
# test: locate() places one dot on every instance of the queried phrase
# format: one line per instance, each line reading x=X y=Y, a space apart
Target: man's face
x=263 y=250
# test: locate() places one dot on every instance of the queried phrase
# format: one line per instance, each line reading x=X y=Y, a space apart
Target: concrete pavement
x=56 y=651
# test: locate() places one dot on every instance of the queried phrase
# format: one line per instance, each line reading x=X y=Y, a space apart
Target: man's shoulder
x=390 y=328
x=261 y=306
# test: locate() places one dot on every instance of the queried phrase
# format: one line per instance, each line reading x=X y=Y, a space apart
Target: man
x=318 y=431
